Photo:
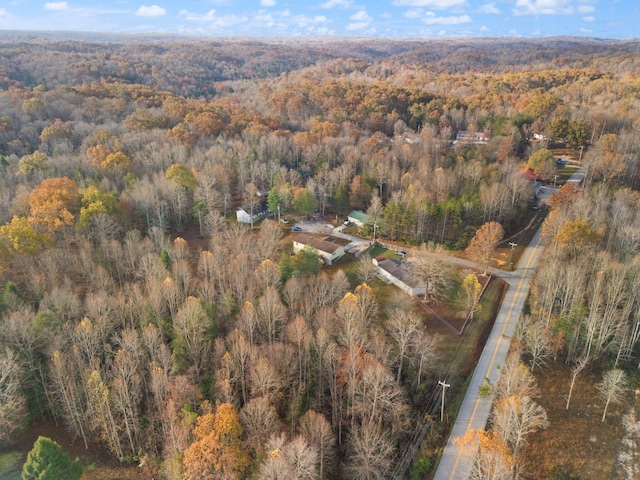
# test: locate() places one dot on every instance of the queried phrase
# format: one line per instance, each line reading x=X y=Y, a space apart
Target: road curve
x=456 y=460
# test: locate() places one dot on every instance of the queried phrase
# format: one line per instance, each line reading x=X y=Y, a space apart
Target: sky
x=617 y=19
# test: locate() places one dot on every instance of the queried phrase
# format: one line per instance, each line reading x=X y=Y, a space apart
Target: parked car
x=296 y=229
x=346 y=223
x=402 y=254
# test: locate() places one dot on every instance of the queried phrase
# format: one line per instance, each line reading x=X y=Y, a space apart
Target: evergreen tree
x=47 y=461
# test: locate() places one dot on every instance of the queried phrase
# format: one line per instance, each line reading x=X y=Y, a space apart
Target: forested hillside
x=223 y=356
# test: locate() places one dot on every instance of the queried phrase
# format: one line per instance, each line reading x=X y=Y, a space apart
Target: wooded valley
x=138 y=313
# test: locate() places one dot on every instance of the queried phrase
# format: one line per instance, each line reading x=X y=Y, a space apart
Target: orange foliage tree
x=52 y=203
x=217 y=453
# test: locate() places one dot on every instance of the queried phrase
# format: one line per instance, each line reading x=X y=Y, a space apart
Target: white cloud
x=361 y=20
x=586 y=30
x=489 y=8
x=386 y=15
x=545 y=7
x=213 y=20
x=357 y=26
x=265 y=19
x=435 y=4
x=586 y=8
x=432 y=19
x=210 y=16
x=361 y=16
x=56 y=6
x=336 y=3
x=484 y=28
x=589 y=19
x=413 y=13
x=152 y=11
x=305 y=21
x=268 y=3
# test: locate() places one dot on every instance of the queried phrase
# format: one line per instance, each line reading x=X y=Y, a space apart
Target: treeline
x=158 y=349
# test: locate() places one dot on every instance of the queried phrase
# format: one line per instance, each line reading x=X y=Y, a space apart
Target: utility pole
x=555 y=177
x=278 y=213
x=444 y=386
x=512 y=245
x=375 y=225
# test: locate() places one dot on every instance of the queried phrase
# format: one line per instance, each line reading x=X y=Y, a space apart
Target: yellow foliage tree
x=471 y=290
x=29 y=164
x=182 y=176
x=56 y=131
x=117 y=161
x=578 y=234
x=21 y=238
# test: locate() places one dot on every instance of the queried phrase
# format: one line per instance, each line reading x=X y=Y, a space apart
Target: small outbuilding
x=359 y=218
x=248 y=214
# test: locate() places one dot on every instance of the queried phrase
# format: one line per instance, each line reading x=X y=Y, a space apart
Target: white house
x=258 y=212
x=464 y=136
x=394 y=271
x=325 y=247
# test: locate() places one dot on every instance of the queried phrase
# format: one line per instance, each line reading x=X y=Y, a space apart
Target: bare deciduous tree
x=370 y=453
x=515 y=379
x=271 y=314
x=536 y=340
x=430 y=272
x=515 y=417
x=13 y=411
x=366 y=269
x=404 y=327
x=612 y=388
x=259 y=420
x=577 y=368
x=317 y=430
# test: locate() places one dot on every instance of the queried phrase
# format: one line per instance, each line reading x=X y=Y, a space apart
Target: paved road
x=455 y=463
x=456 y=460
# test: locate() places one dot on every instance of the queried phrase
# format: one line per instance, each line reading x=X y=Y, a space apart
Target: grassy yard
x=10 y=465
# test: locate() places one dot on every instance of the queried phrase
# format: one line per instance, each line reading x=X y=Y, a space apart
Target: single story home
x=359 y=218
x=464 y=136
x=246 y=214
x=326 y=247
x=395 y=271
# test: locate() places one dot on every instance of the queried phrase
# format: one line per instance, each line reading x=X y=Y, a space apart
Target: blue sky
x=385 y=18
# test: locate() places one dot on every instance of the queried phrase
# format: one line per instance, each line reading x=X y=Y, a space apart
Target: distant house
x=359 y=218
x=326 y=247
x=248 y=215
x=464 y=136
x=540 y=137
x=396 y=272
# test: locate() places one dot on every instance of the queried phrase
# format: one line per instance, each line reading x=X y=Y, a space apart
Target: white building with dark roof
x=396 y=272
